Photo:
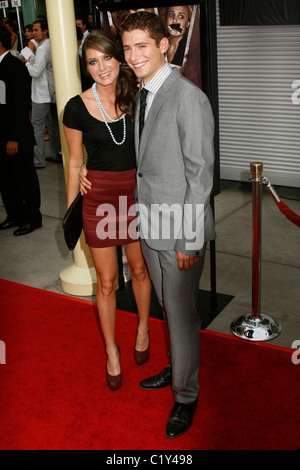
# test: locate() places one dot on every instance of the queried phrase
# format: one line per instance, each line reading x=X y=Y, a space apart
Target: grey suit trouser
x=177 y=293
x=45 y=114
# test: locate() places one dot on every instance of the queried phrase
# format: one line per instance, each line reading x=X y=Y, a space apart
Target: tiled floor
x=37 y=259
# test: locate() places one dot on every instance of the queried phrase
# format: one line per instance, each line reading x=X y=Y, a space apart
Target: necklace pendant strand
x=104 y=115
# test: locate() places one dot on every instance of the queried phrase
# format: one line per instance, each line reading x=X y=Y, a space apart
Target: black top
x=103 y=153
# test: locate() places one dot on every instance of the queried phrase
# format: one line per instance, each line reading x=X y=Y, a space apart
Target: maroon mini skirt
x=109 y=217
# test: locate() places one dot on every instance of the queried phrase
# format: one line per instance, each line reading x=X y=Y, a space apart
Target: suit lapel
x=158 y=101
x=4 y=61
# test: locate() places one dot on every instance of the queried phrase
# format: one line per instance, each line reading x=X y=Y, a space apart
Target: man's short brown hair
x=146 y=21
x=43 y=24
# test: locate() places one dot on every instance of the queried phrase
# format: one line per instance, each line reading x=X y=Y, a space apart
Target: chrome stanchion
x=256 y=326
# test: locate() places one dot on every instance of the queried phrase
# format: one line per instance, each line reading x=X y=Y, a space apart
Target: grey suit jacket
x=175 y=161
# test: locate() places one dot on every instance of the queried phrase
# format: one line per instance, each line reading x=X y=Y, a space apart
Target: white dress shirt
x=154 y=85
x=40 y=69
x=85 y=35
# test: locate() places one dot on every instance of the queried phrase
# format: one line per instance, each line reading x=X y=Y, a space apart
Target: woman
x=178 y=22
x=29 y=40
x=6 y=22
x=101 y=118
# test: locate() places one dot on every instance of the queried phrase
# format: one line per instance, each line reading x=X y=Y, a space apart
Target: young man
x=44 y=112
x=19 y=185
x=175 y=159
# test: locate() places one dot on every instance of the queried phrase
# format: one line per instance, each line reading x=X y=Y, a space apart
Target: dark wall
x=259 y=12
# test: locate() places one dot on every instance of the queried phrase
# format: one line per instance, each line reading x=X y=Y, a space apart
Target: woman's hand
x=85 y=184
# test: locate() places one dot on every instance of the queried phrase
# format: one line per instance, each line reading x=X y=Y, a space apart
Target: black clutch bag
x=72 y=223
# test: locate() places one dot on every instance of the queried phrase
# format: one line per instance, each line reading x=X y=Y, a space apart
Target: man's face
x=37 y=32
x=80 y=24
x=142 y=54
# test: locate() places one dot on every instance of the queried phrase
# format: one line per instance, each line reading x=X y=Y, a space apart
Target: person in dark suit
x=19 y=184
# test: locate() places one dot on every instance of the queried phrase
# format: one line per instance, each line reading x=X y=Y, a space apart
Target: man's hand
x=85 y=184
x=185 y=261
x=12 y=148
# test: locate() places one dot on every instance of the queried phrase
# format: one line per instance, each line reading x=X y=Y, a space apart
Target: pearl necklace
x=104 y=113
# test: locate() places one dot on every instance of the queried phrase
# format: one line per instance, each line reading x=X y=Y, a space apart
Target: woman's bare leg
x=105 y=261
x=141 y=286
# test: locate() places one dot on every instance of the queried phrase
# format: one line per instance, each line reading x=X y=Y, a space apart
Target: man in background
x=19 y=185
x=82 y=24
x=44 y=112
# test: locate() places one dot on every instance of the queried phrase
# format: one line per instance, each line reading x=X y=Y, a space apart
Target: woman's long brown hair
x=126 y=83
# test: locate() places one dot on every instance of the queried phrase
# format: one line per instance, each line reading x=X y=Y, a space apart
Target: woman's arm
x=13 y=40
x=32 y=46
x=36 y=65
x=75 y=144
x=85 y=184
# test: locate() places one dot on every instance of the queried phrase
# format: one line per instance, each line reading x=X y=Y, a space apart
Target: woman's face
x=103 y=68
x=5 y=23
x=178 y=20
x=28 y=34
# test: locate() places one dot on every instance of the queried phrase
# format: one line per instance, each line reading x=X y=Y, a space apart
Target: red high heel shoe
x=114 y=381
x=141 y=357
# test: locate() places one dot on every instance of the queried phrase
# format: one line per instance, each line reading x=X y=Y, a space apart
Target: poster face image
x=183 y=27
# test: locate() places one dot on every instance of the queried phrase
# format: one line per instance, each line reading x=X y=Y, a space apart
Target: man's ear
x=164 y=45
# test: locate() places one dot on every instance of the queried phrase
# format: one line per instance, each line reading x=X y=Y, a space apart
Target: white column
x=80 y=277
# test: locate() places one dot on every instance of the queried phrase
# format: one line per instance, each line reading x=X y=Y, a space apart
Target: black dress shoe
x=180 y=419
x=26 y=228
x=159 y=381
x=52 y=160
x=8 y=223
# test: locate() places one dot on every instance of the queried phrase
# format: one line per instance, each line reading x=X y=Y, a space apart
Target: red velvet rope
x=290 y=215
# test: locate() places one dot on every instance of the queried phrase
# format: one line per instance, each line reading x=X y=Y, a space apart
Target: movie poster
x=183 y=26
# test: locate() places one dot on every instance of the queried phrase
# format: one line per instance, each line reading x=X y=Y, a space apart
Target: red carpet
x=54 y=396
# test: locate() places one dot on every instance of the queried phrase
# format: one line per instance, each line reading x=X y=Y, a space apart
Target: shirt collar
x=3 y=55
x=42 y=42
x=156 y=82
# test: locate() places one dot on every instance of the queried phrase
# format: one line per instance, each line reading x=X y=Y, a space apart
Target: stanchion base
x=262 y=328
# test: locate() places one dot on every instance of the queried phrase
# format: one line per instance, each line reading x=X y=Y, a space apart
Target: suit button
x=197 y=253
x=140 y=175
